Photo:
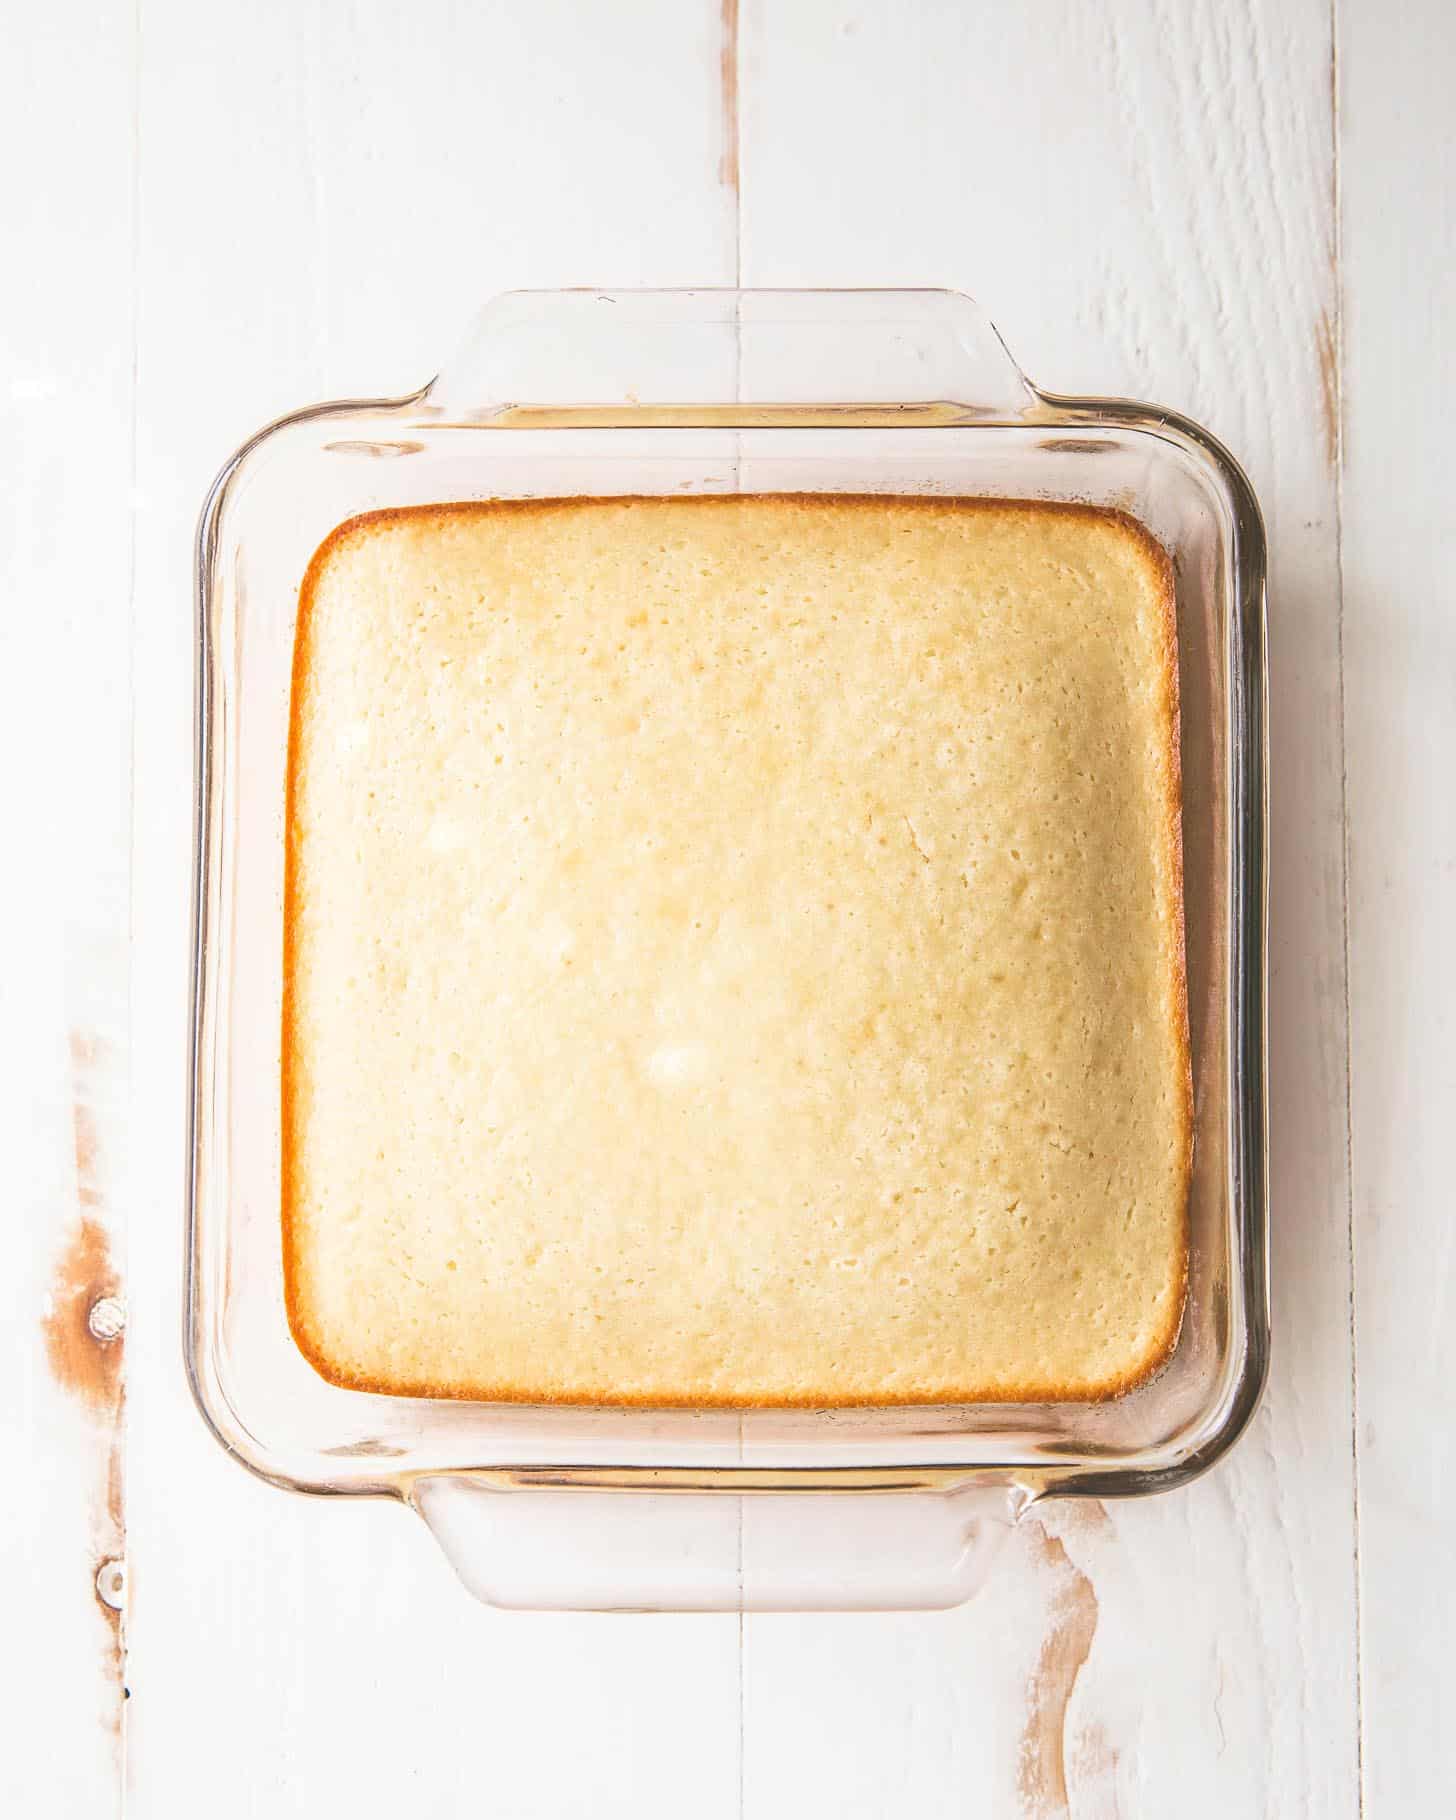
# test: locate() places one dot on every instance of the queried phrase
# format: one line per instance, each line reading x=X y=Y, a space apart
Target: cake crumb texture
x=734 y=953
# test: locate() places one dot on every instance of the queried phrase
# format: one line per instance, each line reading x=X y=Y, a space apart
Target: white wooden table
x=212 y=214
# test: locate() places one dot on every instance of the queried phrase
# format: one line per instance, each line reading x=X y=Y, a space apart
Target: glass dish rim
x=1247 y=832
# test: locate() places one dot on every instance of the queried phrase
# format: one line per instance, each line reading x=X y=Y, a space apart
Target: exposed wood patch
x=89 y=1368
x=85 y=1053
x=114 y=1656
x=116 y=1479
x=85 y=1349
x=1042 y=1767
x=1329 y=384
x=1094 y=1761
x=1083 y=1517
x=728 y=77
x=87 y=1360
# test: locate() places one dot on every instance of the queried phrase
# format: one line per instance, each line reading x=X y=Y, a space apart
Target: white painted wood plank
x=314 y=279
x=1142 y=196
x=328 y=193
x=1398 y=139
x=65 y=529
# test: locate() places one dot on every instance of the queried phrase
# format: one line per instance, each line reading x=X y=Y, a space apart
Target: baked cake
x=734 y=953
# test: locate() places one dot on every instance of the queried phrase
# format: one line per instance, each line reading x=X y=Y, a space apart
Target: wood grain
x=66 y=328
x=1116 y=185
x=1041 y=1778
x=375 y=174
x=728 y=173
x=1398 y=138
x=215 y=225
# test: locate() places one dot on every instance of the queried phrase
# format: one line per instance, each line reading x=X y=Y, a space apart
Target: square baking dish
x=589 y=393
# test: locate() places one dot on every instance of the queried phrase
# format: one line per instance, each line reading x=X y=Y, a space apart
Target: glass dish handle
x=699 y=356
x=568 y=1548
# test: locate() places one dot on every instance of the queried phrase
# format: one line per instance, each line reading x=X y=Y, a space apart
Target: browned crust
x=1157 y=557
x=503 y=1391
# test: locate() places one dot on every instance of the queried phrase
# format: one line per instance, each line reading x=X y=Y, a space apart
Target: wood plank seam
x=730 y=172
x=123 y=1689
x=1337 y=437
x=730 y=160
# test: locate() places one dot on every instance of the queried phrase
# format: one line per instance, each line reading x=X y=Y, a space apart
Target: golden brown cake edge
x=1122 y=1384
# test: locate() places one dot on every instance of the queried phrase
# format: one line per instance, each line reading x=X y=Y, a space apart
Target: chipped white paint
x=66 y=320
x=1119 y=221
x=1144 y=195
x=376 y=172
x=1399 y=541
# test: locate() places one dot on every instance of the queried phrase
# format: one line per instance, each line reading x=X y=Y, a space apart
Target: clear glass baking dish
x=588 y=392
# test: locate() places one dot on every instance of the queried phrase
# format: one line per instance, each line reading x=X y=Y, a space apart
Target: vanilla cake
x=734 y=953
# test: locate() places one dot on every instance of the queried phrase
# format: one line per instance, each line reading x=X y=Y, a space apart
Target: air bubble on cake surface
x=677 y=1064
x=351 y=739
x=446 y=835
x=555 y=939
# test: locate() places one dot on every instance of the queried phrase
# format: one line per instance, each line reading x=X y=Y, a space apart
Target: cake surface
x=734 y=953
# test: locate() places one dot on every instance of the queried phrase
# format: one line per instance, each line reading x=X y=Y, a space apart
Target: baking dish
x=592 y=393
